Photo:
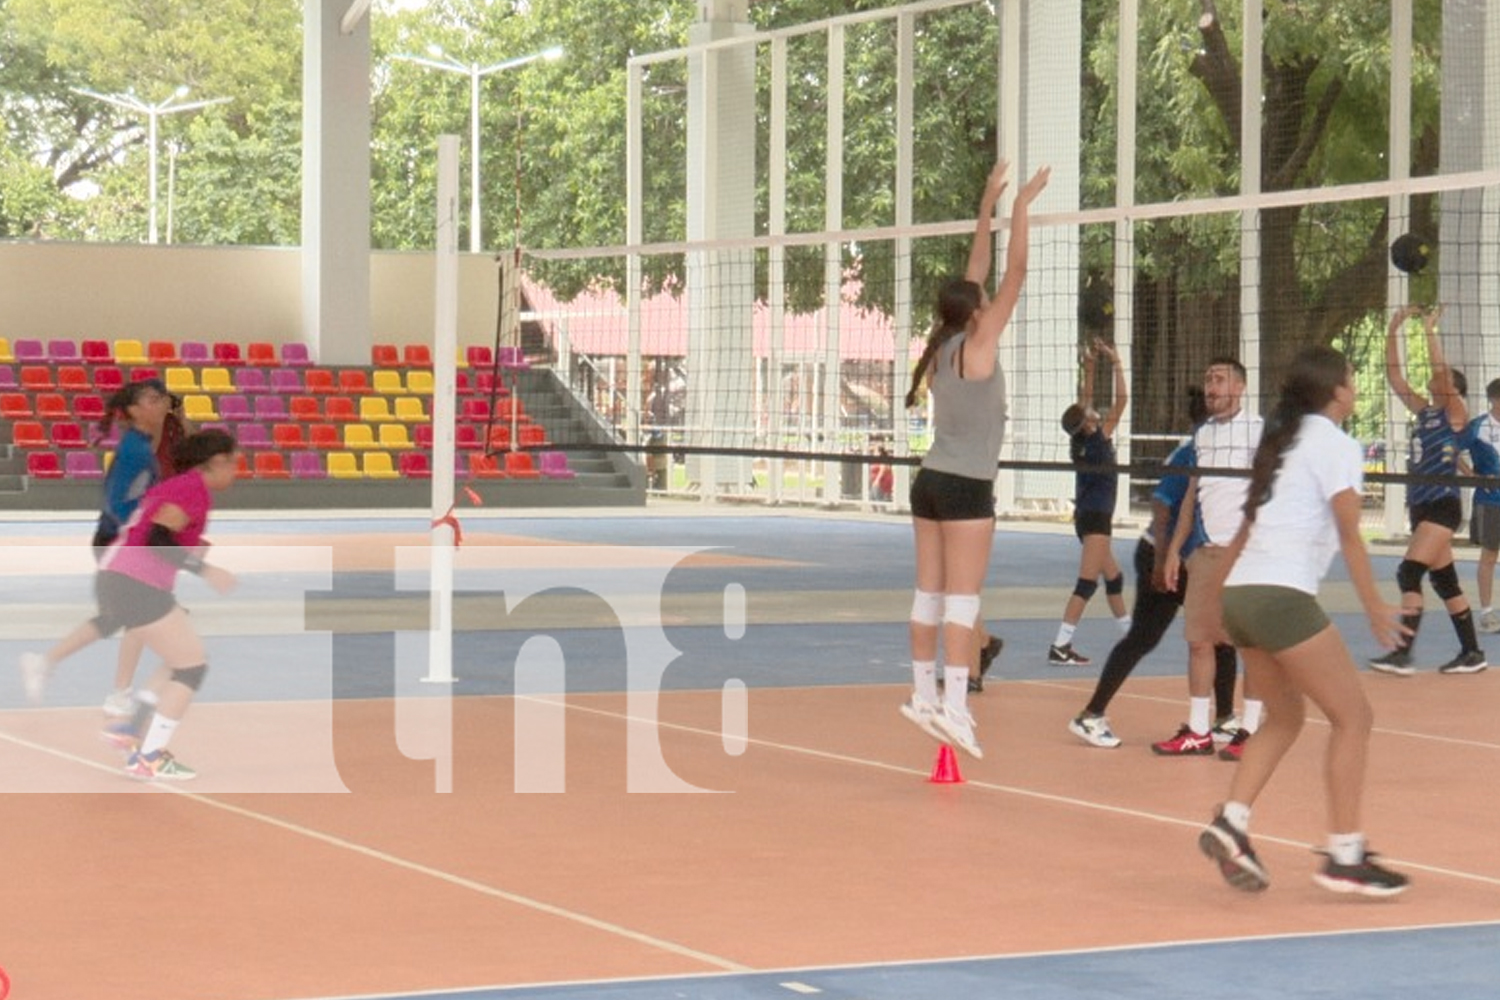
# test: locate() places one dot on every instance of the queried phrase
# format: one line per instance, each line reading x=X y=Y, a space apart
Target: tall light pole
x=170 y=106
x=436 y=59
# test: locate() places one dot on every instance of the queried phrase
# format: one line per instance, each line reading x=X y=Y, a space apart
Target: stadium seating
x=414 y=465
x=228 y=355
x=108 y=379
x=295 y=355
x=260 y=353
x=375 y=409
x=43 y=465
x=321 y=381
x=417 y=356
x=410 y=410
x=480 y=357
x=385 y=356
x=235 y=408
x=160 y=353
x=68 y=434
x=518 y=465
x=195 y=352
x=305 y=408
x=352 y=382
x=359 y=436
x=7 y=377
x=88 y=406
x=286 y=381
x=270 y=409
x=394 y=437
x=217 y=380
x=199 y=409
x=7 y=356
x=324 y=437
x=15 y=406
x=96 y=352
x=554 y=465
x=181 y=380
x=343 y=465
x=28 y=434
x=62 y=351
x=73 y=378
x=531 y=436
x=37 y=378
x=29 y=352
x=308 y=465
x=419 y=383
x=82 y=465
x=251 y=381
x=252 y=436
x=482 y=466
x=378 y=465
x=130 y=352
x=388 y=383
x=52 y=406
x=339 y=408
x=288 y=437
x=270 y=465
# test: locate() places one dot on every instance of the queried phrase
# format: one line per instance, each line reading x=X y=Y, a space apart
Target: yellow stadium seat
x=199 y=408
x=378 y=465
x=358 y=436
x=181 y=381
x=375 y=409
x=6 y=355
x=215 y=380
x=388 y=383
x=130 y=352
x=394 y=436
x=409 y=410
x=344 y=465
x=419 y=383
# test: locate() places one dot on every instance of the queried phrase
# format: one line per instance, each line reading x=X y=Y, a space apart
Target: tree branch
x=1216 y=66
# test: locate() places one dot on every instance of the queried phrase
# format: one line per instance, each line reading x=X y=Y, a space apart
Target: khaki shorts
x=1271 y=618
x=1202 y=607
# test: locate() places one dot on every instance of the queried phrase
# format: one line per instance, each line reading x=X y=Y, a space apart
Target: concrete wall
x=104 y=291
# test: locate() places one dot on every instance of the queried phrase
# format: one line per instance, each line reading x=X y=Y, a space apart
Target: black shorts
x=942 y=496
x=125 y=602
x=1447 y=512
x=1093 y=522
x=1484 y=526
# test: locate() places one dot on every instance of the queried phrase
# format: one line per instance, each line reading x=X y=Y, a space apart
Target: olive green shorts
x=1262 y=616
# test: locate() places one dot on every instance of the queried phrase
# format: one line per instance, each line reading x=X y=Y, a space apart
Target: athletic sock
x=1346 y=848
x=1064 y=634
x=1237 y=815
x=1463 y=624
x=955 y=686
x=159 y=734
x=1124 y=622
x=924 y=680
x=1198 y=715
x=1254 y=708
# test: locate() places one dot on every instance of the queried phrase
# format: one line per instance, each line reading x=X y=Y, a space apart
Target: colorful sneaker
x=1185 y=744
x=1366 y=878
x=159 y=765
x=1225 y=728
x=120 y=704
x=1231 y=850
x=1471 y=662
x=1231 y=751
x=958 y=728
x=1066 y=656
x=1396 y=662
x=1489 y=621
x=924 y=715
x=1093 y=730
x=987 y=657
x=34 y=674
x=120 y=736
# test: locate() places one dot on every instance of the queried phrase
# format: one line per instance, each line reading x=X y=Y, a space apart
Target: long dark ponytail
x=957 y=301
x=1308 y=388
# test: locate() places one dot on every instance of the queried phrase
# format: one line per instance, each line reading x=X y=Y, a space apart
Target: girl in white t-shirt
x=1304 y=502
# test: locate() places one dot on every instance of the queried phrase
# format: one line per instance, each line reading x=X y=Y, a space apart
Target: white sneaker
x=120 y=704
x=34 y=676
x=1489 y=621
x=958 y=728
x=1093 y=730
x=924 y=715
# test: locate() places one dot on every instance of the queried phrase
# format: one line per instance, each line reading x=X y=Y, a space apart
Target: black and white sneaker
x=1397 y=662
x=1231 y=850
x=1470 y=662
x=987 y=657
x=1365 y=879
x=1066 y=656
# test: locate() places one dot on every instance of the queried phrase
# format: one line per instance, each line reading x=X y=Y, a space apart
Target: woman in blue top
x=1091 y=445
x=1432 y=503
x=142 y=407
x=953 y=494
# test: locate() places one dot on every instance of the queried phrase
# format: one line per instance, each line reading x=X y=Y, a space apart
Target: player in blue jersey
x=1432 y=500
x=1482 y=442
x=1091 y=445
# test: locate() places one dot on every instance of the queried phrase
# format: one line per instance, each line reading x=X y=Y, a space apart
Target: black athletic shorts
x=1093 y=522
x=942 y=496
x=1445 y=511
x=125 y=602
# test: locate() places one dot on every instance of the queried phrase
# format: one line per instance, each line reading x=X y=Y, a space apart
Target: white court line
x=608 y=927
x=1311 y=718
x=1065 y=800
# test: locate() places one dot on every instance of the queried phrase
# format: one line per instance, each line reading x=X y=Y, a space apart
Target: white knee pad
x=961 y=609
x=926 y=608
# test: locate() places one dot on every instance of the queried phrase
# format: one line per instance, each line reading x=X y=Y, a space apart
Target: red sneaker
x=1232 y=750
x=1185 y=744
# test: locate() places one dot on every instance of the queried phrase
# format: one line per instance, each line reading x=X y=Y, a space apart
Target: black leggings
x=1150 y=618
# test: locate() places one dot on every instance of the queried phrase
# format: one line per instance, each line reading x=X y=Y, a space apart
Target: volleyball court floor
x=671 y=765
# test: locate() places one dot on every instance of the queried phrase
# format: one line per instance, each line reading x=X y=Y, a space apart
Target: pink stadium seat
x=308 y=465
x=196 y=352
x=295 y=355
x=228 y=355
x=270 y=409
x=512 y=357
x=62 y=351
x=7 y=377
x=43 y=465
x=82 y=465
x=286 y=380
x=251 y=381
x=554 y=465
x=233 y=409
x=29 y=351
x=252 y=437
x=96 y=352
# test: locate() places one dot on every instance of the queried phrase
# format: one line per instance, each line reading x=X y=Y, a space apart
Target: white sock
x=1254 y=708
x=1064 y=634
x=955 y=686
x=1198 y=715
x=159 y=734
x=1237 y=815
x=924 y=680
x=1124 y=622
x=1346 y=848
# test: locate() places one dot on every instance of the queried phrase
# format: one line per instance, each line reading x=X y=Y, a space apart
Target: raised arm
x=1454 y=404
x=1121 y=398
x=1394 y=374
x=996 y=313
x=1090 y=362
x=981 y=250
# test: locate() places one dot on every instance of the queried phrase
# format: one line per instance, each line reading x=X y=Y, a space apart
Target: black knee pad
x=1116 y=586
x=190 y=677
x=1445 y=583
x=1085 y=588
x=1409 y=576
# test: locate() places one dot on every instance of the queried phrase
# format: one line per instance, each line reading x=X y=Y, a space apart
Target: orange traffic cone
x=945 y=768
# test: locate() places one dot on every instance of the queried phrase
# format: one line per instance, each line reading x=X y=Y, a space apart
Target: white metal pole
x=444 y=360
x=474 y=224
x=151 y=115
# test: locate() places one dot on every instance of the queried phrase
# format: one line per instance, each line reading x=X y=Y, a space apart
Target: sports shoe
x=120 y=704
x=987 y=657
x=1185 y=744
x=1366 y=878
x=1066 y=656
x=120 y=736
x=958 y=728
x=1397 y=662
x=1231 y=850
x=1489 y=621
x=159 y=765
x=1225 y=728
x=1231 y=751
x=1471 y=662
x=923 y=714
x=34 y=676
x=1093 y=730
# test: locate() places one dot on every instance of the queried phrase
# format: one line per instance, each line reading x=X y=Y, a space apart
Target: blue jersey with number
x=1093 y=491
x=1433 y=452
